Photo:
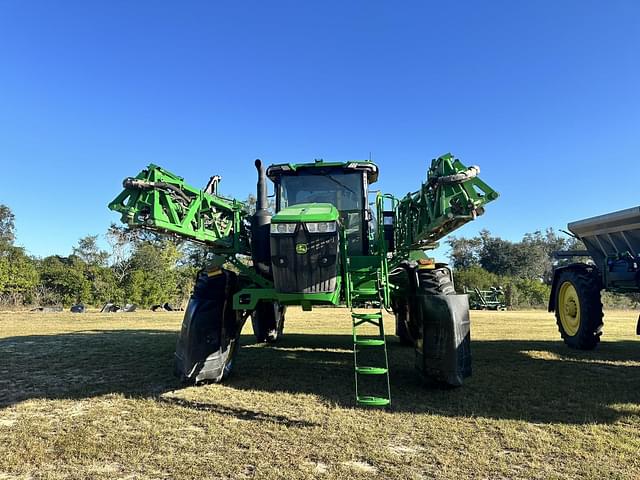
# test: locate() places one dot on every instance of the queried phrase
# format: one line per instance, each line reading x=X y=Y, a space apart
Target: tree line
x=523 y=269
x=147 y=269
x=138 y=267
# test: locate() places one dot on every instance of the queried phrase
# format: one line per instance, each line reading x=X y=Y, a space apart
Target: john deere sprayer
x=331 y=242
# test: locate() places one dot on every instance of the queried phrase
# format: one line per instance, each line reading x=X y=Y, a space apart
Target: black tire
x=579 y=307
x=267 y=321
x=209 y=339
x=443 y=352
x=435 y=281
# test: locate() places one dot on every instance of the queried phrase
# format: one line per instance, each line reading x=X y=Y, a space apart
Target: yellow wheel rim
x=569 y=308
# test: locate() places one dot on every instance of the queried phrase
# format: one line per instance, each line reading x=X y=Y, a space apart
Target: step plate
x=373 y=401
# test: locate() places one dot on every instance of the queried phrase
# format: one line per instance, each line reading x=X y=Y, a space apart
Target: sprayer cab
x=315 y=203
x=343 y=185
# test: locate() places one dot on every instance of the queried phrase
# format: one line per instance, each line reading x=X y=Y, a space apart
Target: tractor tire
x=268 y=321
x=579 y=308
x=443 y=346
x=436 y=281
x=210 y=335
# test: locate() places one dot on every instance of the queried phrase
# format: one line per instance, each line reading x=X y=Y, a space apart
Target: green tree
x=153 y=278
x=530 y=258
x=464 y=252
x=122 y=241
x=89 y=252
x=18 y=275
x=65 y=278
x=185 y=281
x=474 y=277
x=88 y=256
x=499 y=256
x=7 y=226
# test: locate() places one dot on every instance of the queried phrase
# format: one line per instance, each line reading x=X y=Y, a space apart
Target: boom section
x=452 y=196
x=160 y=201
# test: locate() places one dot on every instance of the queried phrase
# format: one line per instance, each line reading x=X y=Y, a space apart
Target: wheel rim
x=569 y=308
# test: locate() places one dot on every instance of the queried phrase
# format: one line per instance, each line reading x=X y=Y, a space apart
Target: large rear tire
x=435 y=281
x=443 y=348
x=418 y=281
x=579 y=308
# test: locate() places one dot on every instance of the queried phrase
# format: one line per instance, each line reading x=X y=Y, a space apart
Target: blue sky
x=544 y=96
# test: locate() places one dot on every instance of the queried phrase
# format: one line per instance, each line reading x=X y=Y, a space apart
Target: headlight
x=283 y=228
x=321 y=227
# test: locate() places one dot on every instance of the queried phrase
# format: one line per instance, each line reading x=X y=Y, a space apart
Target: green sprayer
x=330 y=242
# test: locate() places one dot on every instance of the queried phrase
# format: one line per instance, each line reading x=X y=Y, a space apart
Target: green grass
x=93 y=396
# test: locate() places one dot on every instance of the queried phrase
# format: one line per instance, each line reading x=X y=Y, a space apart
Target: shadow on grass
x=538 y=381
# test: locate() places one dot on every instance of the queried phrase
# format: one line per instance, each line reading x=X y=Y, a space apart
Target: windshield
x=342 y=190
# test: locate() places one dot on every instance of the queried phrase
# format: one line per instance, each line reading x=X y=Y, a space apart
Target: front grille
x=312 y=272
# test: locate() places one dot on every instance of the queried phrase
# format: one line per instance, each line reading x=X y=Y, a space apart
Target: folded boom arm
x=160 y=201
x=451 y=196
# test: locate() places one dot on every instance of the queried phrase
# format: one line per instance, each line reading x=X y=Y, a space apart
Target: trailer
x=613 y=264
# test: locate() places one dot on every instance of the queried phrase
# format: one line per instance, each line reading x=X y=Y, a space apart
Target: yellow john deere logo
x=301 y=248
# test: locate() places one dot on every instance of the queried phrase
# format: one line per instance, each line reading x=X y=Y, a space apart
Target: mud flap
x=210 y=329
x=443 y=347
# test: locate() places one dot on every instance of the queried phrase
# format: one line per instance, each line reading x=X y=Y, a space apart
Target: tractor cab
x=343 y=185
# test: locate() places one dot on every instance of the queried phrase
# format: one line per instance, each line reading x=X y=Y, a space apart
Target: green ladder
x=365 y=288
x=362 y=372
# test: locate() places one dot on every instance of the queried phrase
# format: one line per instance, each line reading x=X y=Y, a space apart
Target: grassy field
x=93 y=396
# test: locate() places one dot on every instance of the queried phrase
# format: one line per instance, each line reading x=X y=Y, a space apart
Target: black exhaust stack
x=260 y=225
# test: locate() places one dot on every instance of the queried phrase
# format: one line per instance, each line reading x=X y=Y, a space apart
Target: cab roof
x=370 y=168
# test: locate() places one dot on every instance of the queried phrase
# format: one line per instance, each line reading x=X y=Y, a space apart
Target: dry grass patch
x=93 y=396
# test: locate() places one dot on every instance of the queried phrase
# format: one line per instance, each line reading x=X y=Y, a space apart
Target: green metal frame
x=443 y=204
x=159 y=200
x=248 y=298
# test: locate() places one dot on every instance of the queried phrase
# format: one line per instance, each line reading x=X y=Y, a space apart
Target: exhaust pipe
x=260 y=225
x=261 y=188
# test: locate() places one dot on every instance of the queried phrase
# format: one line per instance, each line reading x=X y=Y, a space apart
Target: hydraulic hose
x=145 y=185
x=471 y=172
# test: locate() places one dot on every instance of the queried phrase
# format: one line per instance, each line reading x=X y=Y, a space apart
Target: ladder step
x=372 y=370
x=361 y=297
x=369 y=342
x=366 y=316
x=373 y=401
